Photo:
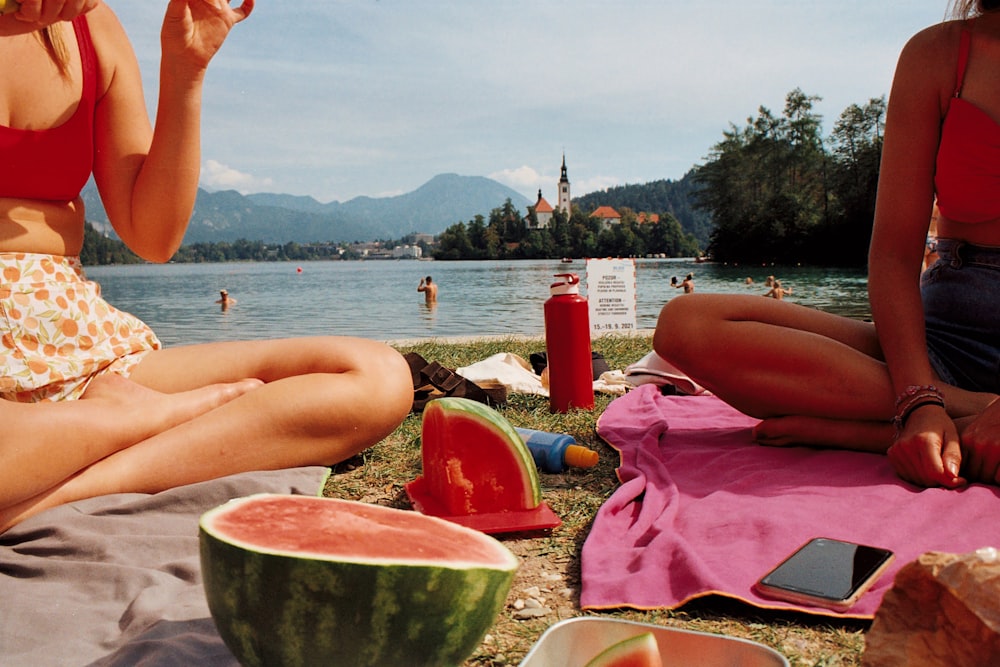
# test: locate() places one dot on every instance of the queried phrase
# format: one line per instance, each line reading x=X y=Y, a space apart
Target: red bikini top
x=54 y=164
x=967 y=178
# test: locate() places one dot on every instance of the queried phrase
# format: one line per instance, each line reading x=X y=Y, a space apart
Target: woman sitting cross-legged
x=147 y=418
x=921 y=383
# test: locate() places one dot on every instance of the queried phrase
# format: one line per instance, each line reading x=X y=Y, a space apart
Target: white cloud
x=594 y=184
x=525 y=180
x=217 y=176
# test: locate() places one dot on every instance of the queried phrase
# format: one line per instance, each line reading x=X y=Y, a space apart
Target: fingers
x=981 y=457
x=47 y=12
x=244 y=10
x=928 y=453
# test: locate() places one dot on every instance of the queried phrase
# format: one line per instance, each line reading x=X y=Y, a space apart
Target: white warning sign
x=611 y=296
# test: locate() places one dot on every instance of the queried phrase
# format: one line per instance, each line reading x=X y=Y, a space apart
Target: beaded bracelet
x=915 y=389
x=912 y=398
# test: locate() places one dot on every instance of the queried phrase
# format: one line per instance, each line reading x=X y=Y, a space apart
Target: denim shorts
x=961 y=295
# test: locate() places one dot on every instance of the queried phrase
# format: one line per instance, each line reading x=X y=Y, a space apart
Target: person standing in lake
x=225 y=300
x=150 y=418
x=777 y=291
x=921 y=383
x=687 y=284
x=430 y=290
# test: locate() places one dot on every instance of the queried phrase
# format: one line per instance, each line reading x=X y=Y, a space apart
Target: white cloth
x=512 y=371
x=654 y=369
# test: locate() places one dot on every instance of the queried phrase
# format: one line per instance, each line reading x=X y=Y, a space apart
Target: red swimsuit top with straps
x=967 y=179
x=54 y=164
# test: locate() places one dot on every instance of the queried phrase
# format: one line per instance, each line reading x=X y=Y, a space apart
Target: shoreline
x=494 y=338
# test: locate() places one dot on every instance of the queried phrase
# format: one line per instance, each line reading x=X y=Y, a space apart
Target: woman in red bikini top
x=942 y=143
x=922 y=382
x=72 y=105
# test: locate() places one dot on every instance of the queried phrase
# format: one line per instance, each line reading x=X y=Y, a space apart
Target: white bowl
x=575 y=641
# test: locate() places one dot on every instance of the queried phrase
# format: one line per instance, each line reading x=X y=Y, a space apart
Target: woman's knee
x=389 y=384
x=679 y=325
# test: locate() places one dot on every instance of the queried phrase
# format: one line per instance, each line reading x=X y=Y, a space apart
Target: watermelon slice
x=298 y=580
x=477 y=470
x=639 y=651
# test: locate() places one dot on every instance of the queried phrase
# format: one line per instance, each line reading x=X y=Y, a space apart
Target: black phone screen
x=826 y=568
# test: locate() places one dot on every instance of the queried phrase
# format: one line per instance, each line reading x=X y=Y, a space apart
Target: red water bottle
x=567 y=346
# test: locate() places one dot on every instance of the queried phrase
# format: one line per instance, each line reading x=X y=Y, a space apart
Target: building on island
x=564 y=199
x=543 y=209
x=607 y=215
x=543 y=214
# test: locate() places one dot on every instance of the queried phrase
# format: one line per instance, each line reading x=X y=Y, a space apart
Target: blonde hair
x=52 y=37
x=964 y=9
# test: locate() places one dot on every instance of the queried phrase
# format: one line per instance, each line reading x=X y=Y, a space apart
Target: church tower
x=564 y=199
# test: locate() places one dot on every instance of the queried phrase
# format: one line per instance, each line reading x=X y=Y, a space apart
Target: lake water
x=378 y=299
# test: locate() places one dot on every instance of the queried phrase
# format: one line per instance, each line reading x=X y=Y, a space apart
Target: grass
x=550 y=563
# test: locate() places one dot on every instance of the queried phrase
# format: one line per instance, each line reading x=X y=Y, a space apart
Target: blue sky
x=342 y=98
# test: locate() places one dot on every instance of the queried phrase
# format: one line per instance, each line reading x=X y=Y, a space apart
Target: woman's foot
x=835 y=433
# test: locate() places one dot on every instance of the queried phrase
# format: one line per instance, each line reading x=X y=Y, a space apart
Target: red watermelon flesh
x=639 y=651
x=349 y=531
x=474 y=461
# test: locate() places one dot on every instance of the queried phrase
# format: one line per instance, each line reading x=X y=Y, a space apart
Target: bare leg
x=813 y=377
x=324 y=400
x=871 y=436
x=45 y=443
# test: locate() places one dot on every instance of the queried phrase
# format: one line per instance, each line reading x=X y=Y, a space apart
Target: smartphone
x=827 y=573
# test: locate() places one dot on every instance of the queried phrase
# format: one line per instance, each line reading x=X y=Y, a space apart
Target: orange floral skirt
x=57 y=333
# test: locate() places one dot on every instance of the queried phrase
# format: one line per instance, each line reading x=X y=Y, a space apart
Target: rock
x=943 y=609
x=530 y=612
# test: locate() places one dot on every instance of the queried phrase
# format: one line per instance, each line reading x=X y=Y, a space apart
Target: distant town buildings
x=407 y=252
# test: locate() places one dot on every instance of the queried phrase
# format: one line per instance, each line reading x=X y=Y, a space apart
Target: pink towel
x=702 y=510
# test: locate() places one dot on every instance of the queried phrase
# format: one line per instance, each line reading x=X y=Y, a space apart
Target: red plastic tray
x=515 y=521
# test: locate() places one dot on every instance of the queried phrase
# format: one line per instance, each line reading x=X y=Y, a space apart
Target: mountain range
x=276 y=218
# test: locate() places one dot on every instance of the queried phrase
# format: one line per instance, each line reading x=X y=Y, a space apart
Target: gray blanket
x=115 y=580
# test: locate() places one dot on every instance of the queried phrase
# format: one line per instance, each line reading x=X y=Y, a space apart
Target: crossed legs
x=810 y=376
x=189 y=414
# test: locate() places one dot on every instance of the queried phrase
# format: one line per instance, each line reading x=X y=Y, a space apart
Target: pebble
x=524 y=614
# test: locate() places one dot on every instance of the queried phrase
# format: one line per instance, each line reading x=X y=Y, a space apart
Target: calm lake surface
x=378 y=299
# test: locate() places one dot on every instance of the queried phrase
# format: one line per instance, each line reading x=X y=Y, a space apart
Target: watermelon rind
x=638 y=651
x=283 y=608
x=493 y=420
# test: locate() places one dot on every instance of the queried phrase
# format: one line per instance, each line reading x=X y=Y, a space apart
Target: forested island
x=772 y=191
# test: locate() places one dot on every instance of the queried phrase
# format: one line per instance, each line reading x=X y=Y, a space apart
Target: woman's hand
x=928 y=452
x=194 y=30
x=981 y=446
x=34 y=15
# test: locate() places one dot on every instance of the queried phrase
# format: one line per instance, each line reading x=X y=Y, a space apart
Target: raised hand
x=194 y=30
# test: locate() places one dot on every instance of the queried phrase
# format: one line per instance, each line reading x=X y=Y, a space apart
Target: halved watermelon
x=299 y=580
x=474 y=461
x=639 y=651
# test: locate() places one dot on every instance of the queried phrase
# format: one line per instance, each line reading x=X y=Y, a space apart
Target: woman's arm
x=927 y=451
x=148 y=177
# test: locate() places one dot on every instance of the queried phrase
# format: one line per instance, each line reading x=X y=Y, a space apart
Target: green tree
x=856 y=151
x=454 y=243
x=777 y=196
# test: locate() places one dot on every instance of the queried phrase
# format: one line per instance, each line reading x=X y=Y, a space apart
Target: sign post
x=611 y=296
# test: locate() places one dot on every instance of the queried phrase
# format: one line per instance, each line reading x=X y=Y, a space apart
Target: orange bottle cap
x=580 y=457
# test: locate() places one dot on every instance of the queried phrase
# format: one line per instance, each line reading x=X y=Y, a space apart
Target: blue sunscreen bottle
x=555 y=452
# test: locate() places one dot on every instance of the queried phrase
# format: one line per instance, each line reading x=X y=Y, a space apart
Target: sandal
x=432 y=380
